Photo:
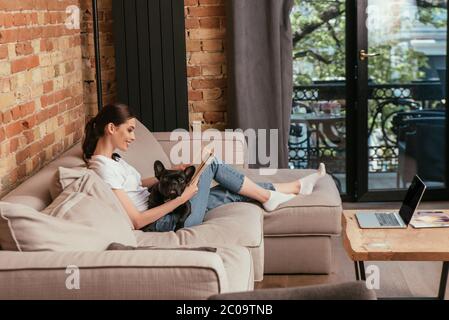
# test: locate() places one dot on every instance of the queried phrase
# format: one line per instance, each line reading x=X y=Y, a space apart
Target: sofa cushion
x=239 y=267
x=232 y=223
x=80 y=179
x=146 y=274
x=315 y=214
x=87 y=200
x=237 y=262
x=24 y=229
x=298 y=255
x=87 y=210
x=63 y=177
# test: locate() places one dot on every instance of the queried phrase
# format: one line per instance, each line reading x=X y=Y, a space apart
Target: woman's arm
x=149 y=182
x=141 y=219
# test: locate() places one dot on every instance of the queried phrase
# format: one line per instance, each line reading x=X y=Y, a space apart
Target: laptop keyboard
x=387 y=219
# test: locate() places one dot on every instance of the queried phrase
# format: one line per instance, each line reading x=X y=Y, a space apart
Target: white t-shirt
x=121 y=175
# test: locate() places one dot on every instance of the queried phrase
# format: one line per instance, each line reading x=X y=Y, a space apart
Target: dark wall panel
x=151 y=61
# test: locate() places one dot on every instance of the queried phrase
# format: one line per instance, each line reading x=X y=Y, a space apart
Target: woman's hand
x=181 y=166
x=190 y=191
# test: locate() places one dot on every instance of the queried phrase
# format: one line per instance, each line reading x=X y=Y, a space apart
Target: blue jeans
x=230 y=182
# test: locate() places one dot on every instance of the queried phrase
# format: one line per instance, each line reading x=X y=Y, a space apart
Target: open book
x=430 y=219
x=208 y=154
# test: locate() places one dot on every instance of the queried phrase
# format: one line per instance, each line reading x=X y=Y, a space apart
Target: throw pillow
x=85 y=180
x=24 y=229
x=91 y=211
x=68 y=176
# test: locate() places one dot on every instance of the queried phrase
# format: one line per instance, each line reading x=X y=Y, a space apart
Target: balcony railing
x=320 y=135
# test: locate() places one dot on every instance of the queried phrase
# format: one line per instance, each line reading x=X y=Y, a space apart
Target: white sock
x=307 y=183
x=276 y=198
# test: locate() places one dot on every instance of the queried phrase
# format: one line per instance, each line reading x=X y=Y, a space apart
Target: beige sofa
x=297 y=236
x=296 y=240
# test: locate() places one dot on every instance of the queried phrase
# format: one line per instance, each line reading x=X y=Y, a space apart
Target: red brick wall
x=107 y=54
x=47 y=77
x=41 y=92
x=206 y=61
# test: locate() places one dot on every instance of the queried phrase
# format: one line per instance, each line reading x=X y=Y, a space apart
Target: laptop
x=395 y=220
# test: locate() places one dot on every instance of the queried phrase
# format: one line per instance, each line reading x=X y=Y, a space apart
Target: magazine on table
x=430 y=219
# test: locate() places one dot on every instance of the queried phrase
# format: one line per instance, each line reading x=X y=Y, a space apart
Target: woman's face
x=123 y=135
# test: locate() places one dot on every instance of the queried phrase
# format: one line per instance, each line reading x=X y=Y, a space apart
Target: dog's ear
x=158 y=169
x=189 y=171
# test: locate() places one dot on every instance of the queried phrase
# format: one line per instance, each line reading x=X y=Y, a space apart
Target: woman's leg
x=234 y=181
x=229 y=179
x=237 y=184
x=163 y=224
x=301 y=186
x=225 y=175
x=219 y=196
x=288 y=187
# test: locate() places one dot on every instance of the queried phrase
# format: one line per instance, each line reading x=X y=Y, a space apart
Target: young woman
x=113 y=128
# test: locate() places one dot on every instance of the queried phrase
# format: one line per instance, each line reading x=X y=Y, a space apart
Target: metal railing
x=309 y=144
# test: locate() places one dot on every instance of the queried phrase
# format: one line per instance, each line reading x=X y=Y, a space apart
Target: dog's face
x=172 y=182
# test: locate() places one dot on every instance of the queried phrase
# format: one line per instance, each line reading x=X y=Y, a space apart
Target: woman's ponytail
x=90 y=139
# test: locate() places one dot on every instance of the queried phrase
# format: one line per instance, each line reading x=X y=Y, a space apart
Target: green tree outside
x=319 y=44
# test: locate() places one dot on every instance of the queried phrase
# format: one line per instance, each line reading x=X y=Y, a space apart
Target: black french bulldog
x=172 y=184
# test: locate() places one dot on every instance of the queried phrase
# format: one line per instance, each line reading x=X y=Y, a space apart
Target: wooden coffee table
x=395 y=245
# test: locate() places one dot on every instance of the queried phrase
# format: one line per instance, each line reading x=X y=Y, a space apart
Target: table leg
x=359 y=267
x=362 y=271
x=356 y=268
x=443 y=280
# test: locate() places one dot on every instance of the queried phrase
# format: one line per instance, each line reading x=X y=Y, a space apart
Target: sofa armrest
x=229 y=146
x=152 y=274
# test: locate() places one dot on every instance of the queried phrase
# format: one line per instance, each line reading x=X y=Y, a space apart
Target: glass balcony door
x=401 y=97
x=318 y=120
x=370 y=94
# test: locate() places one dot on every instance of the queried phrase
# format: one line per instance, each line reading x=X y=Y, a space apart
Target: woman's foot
x=276 y=199
x=307 y=183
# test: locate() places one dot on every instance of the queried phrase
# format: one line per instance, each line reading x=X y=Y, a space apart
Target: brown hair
x=116 y=113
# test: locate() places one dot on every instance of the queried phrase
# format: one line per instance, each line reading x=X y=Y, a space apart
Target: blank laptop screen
x=412 y=199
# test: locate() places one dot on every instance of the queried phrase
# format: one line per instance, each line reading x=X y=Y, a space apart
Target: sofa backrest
x=144 y=151
x=35 y=191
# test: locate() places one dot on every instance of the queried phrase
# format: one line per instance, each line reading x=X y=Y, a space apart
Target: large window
x=393 y=88
x=319 y=103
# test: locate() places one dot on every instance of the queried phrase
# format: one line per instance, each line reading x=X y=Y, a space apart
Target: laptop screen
x=412 y=199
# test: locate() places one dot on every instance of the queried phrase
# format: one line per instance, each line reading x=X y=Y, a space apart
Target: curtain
x=260 y=63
